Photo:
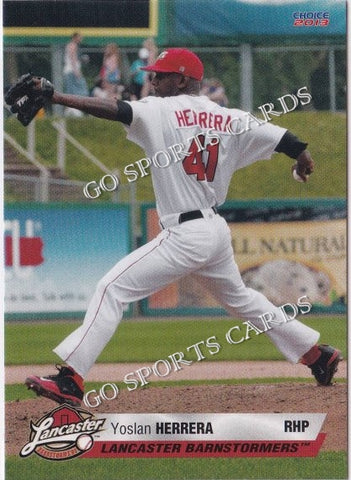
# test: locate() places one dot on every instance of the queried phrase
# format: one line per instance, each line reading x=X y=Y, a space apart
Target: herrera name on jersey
x=185 y=138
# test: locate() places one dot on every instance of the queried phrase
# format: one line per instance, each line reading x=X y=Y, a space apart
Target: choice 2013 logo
x=63 y=433
x=311 y=19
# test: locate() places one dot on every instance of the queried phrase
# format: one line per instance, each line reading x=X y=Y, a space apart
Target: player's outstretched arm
x=30 y=93
x=98 y=107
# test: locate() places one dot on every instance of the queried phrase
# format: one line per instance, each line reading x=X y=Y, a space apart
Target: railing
x=42 y=188
x=44 y=172
x=63 y=135
x=29 y=188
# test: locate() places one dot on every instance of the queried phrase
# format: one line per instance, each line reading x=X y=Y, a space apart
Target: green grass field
x=325 y=133
x=151 y=340
x=326 y=466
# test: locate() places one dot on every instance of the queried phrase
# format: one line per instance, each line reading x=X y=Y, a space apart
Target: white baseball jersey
x=195 y=147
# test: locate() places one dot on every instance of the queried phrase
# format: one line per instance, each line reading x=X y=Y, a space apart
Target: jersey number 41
x=195 y=163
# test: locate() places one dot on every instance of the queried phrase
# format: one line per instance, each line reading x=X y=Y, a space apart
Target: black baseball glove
x=27 y=96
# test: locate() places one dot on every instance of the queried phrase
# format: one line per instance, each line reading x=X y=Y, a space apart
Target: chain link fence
x=251 y=75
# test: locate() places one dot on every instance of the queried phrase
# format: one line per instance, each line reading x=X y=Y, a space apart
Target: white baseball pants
x=202 y=247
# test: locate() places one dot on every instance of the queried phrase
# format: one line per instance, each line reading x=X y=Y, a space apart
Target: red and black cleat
x=326 y=365
x=65 y=387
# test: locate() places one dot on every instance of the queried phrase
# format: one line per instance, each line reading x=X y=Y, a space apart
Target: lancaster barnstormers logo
x=63 y=433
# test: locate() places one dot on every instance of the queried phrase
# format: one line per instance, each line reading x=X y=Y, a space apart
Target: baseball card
x=175 y=240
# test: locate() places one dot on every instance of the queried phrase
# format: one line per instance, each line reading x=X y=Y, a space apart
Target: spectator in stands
x=138 y=77
x=151 y=46
x=214 y=90
x=74 y=81
x=110 y=72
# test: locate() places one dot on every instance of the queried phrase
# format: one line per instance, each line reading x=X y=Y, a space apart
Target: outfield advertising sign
x=52 y=263
x=284 y=248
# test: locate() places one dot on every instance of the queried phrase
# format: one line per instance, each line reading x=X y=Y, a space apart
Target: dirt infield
x=284 y=397
x=115 y=372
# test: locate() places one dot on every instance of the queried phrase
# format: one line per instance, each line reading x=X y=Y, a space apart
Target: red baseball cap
x=178 y=60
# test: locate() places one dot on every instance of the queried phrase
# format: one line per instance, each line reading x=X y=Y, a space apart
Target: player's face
x=166 y=84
